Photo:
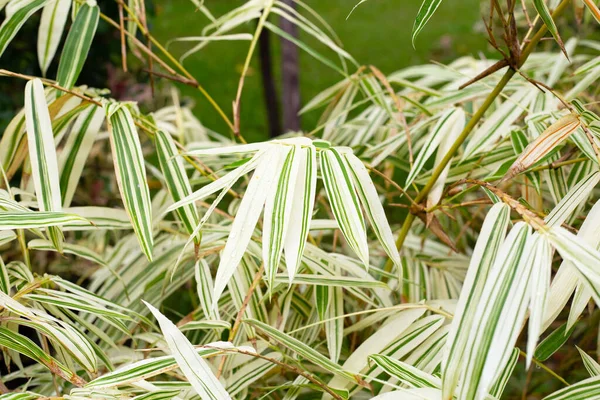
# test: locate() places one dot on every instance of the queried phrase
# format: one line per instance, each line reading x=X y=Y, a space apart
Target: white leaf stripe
x=425 y=13
x=444 y=124
x=177 y=182
x=405 y=372
x=52 y=24
x=42 y=154
x=504 y=277
x=324 y=280
x=37 y=219
x=371 y=204
x=302 y=349
x=77 y=148
x=585 y=390
x=302 y=209
x=225 y=181
x=490 y=238
x=277 y=213
x=143 y=369
x=15 y=21
x=246 y=218
x=131 y=174
x=195 y=369
x=77 y=45
x=344 y=202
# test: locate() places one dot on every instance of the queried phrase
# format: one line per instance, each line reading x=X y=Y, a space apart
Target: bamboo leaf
x=71 y=160
x=544 y=13
x=301 y=349
x=278 y=207
x=52 y=24
x=15 y=20
x=42 y=155
x=372 y=205
x=177 y=181
x=583 y=390
x=406 y=373
x=590 y=364
x=543 y=144
x=344 y=202
x=131 y=174
x=195 y=369
x=504 y=299
x=302 y=209
x=487 y=247
x=428 y=8
x=78 y=43
x=246 y=219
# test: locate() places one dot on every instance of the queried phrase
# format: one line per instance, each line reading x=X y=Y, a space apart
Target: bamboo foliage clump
x=435 y=230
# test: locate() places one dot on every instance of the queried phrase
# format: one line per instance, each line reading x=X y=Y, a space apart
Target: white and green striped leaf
x=278 y=207
x=428 y=8
x=15 y=20
x=195 y=369
x=38 y=219
x=344 y=202
x=52 y=24
x=406 y=373
x=131 y=173
x=334 y=325
x=585 y=390
x=301 y=349
x=540 y=264
x=247 y=216
x=544 y=13
x=504 y=299
x=372 y=206
x=176 y=179
x=71 y=160
x=78 y=43
x=485 y=252
x=590 y=364
x=302 y=208
x=204 y=288
x=42 y=155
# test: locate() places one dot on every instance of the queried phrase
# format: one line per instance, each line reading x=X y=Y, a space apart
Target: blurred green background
x=377 y=33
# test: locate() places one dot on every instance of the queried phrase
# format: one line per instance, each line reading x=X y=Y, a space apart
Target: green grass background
x=377 y=33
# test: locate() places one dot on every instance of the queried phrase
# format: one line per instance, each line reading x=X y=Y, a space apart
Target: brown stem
x=240 y=314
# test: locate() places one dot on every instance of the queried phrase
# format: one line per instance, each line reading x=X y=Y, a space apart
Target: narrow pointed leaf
x=71 y=160
x=131 y=173
x=246 y=218
x=490 y=238
x=177 y=181
x=52 y=24
x=42 y=154
x=344 y=202
x=78 y=44
x=195 y=369
x=428 y=8
x=15 y=21
x=372 y=206
x=302 y=209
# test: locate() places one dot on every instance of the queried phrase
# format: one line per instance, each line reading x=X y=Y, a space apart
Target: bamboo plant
x=434 y=236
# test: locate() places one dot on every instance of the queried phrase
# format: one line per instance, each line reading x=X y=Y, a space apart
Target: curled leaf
x=543 y=144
